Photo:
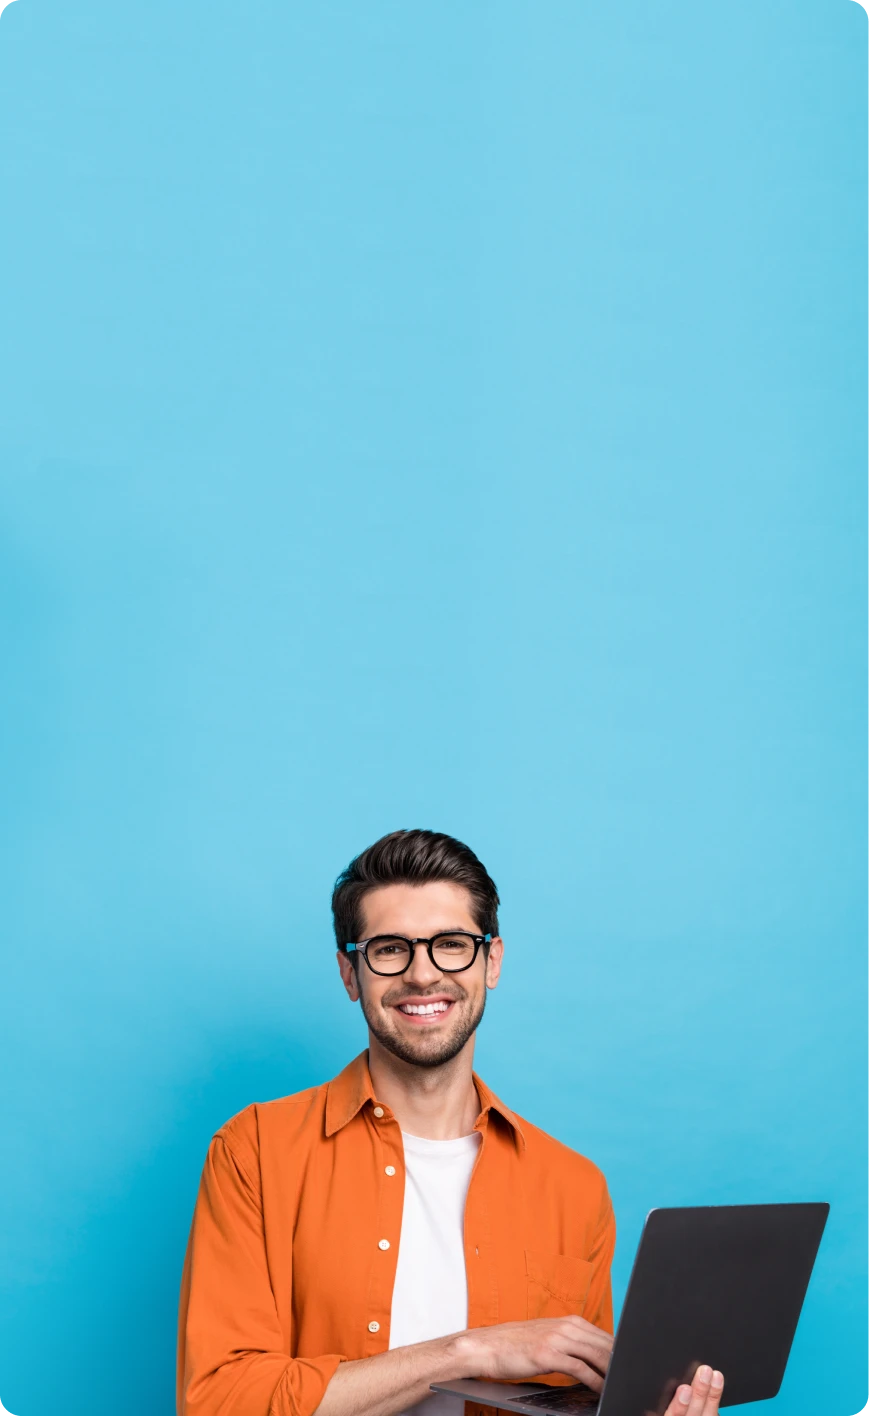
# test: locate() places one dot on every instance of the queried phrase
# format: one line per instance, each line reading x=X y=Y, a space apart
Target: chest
x=523 y=1253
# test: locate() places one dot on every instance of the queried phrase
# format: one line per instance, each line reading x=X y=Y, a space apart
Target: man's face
x=418 y=912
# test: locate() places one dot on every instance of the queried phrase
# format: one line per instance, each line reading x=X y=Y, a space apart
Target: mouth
x=425 y=1012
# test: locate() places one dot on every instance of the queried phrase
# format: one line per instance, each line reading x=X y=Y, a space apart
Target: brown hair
x=411 y=858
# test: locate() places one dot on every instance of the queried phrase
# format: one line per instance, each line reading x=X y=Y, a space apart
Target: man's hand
x=527 y=1350
x=391 y=1381
x=701 y=1398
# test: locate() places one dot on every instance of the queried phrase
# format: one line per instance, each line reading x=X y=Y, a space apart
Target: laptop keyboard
x=567 y=1399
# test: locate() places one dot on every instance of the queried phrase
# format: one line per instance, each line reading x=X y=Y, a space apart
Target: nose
x=422 y=973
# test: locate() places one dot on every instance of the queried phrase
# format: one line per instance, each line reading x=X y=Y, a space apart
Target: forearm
x=392 y=1381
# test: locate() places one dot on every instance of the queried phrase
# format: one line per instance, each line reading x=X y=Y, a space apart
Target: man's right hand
x=512 y=1351
x=391 y=1381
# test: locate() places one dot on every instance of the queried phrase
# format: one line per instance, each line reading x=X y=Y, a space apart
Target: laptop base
x=530 y=1398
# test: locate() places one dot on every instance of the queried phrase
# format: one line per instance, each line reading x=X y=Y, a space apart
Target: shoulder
x=288 y=1119
x=559 y=1163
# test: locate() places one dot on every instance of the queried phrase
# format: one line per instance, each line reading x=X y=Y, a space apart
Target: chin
x=427 y=1050
x=424 y=1052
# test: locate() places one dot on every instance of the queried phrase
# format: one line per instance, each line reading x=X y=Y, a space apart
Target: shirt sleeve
x=598 y=1307
x=232 y=1357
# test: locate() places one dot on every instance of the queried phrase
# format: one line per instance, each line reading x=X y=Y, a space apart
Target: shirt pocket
x=557 y=1284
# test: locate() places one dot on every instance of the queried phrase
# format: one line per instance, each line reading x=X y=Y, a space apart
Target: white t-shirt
x=430 y=1297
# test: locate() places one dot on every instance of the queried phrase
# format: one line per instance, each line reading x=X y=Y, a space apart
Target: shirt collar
x=490 y=1102
x=347 y=1093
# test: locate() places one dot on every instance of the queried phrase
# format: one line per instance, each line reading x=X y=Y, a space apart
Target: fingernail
x=704 y=1374
x=684 y=1395
x=717 y=1380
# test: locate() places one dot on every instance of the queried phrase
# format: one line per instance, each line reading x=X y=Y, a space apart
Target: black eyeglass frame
x=362 y=948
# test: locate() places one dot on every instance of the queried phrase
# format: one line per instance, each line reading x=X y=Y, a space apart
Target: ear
x=493 y=962
x=348 y=976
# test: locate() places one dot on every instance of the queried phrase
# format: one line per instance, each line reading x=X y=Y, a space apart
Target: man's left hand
x=701 y=1398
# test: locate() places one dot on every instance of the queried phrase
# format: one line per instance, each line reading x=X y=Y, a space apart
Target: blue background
x=445 y=415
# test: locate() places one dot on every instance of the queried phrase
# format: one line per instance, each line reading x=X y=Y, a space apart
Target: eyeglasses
x=450 y=951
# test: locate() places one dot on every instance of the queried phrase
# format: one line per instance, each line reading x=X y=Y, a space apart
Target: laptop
x=720 y=1284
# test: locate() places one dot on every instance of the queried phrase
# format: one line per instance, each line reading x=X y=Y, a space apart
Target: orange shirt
x=291 y=1259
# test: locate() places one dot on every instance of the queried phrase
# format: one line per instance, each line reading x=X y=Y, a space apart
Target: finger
x=706 y=1393
x=691 y=1400
x=580 y=1371
x=583 y=1339
x=700 y=1389
x=594 y=1354
x=596 y=1334
x=716 y=1388
x=592 y=1378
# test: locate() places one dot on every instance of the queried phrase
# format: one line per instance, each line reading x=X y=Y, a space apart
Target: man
x=399 y=1225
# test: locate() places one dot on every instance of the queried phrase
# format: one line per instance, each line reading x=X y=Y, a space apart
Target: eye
x=388 y=948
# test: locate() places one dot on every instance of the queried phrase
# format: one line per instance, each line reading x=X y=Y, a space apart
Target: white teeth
x=423 y=1007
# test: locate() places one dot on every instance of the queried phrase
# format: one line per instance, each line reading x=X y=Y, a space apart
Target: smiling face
x=424 y=1016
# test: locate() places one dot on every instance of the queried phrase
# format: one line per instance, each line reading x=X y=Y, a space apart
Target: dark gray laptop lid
x=721 y=1284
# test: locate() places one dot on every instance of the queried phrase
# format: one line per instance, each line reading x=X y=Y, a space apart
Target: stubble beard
x=426 y=1053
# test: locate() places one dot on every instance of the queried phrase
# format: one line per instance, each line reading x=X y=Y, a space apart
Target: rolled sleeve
x=232 y=1352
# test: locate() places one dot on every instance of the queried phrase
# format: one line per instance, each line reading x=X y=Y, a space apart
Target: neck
x=437 y=1103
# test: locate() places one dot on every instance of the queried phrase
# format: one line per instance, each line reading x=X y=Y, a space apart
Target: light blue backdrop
x=447 y=415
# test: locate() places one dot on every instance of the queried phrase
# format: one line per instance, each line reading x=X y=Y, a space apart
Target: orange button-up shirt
x=291 y=1260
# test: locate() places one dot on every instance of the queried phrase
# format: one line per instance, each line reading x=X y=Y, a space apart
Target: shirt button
x=383 y=1244
x=390 y=1169
x=378 y=1111
x=373 y=1327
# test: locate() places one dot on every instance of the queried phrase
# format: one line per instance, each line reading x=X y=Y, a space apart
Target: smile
x=424 y=1012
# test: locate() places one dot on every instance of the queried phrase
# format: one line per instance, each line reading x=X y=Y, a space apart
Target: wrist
x=462 y=1354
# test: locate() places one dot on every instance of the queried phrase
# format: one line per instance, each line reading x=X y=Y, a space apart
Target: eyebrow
x=445 y=929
